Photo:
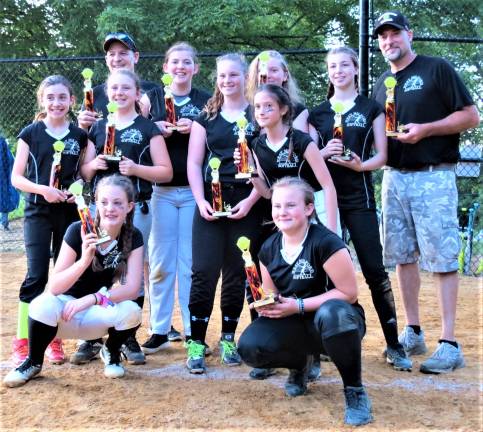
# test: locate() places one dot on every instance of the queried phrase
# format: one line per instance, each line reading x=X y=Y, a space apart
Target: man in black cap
x=419 y=196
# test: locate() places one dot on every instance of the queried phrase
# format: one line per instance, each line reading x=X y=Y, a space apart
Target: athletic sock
x=199 y=326
x=454 y=343
x=40 y=335
x=23 y=320
x=416 y=328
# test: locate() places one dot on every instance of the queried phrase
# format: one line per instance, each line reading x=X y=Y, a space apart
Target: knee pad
x=334 y=317
x=47 y=309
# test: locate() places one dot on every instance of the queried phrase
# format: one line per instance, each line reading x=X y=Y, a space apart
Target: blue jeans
x=170 y=255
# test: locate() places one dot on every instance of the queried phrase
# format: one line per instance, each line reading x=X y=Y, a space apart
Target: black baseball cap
x=121 y=37
x=392 y=18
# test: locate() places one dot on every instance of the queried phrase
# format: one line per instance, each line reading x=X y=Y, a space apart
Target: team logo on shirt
x=249 y=130
x=356 y=119
x=112 y=259
x=72 y=147
x=189 y=110
x=302 y=270
x=413 y=83
x=133 y=136
x=283 y=162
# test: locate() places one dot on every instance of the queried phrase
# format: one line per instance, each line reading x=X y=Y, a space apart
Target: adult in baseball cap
x=122 y=37
x=393 y=19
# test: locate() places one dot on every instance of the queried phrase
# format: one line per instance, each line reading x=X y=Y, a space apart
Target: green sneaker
x=196 y=356
x=228 y=352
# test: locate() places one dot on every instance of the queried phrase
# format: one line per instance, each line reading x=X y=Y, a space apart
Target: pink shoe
x=55 y=352
x=20 y=351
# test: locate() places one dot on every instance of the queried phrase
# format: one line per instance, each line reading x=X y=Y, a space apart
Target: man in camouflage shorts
x=419 y=197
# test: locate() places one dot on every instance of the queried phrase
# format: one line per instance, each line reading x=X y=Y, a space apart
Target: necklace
x=291 y=255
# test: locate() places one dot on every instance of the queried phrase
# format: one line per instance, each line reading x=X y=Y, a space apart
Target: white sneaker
x=113 y=367
x=412 y=343
x=445 y=359
x=19 y=376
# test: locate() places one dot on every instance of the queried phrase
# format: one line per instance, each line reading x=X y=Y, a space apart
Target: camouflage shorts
x=419 y=220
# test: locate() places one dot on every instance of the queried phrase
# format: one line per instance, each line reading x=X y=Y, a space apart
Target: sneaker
x=296 y=384
x=155 y=343
x=228 y=352
x=112 y=362
x=261 y=373
x=55 y=352
x=174 y=335
x=445 y=359
x=398 y=359
x=314 y=371
x=132 y=351
x=196 y=356
x=412 y=343
x=19 y=376
x=358 y=407
x=20 y=351
x=87 y=351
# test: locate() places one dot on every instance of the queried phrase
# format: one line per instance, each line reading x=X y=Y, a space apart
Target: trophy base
x=112 y=158
x=393 y=134
x=102 y=240
x=341 y=157
x=221 y=213
x=172 y=128
x=244 y=175
x=270 y=299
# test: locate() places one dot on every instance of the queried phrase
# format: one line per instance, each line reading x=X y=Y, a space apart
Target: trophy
x=244 y=169
x=263 y=59
x=59 y=147
x=338 y=131
x=88 y=93
x=219 y=211
x=111 y=154
x=391 y=129
x=85 y=215
x=167 y=79
x=259 y=296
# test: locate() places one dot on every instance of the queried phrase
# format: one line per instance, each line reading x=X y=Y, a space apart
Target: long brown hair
x=216 y=101
x=48 y=82
x=355 y=60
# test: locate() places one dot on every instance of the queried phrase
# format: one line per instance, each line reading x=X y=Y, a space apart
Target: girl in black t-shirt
x=363 y=127
x=92 y=286
x=49 y=210
x=214 y=134
x=172 y=203
x=296 y=263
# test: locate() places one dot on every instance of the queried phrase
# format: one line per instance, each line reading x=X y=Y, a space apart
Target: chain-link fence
x=20 y=78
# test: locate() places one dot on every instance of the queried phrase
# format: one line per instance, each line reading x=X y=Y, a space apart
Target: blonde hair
x=48 y=82
x=182 y=46
x=134 y=77
x=290 y=85
x=355 y=61
x=299 y=184
x=216 y=101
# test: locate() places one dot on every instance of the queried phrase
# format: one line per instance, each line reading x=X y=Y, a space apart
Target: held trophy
x=56 y=165
x=245 y=171
x=85 y=215
x=88 y=92
x=263 y=59
x=167 y=79
x=259 y=296
x=338 y=131
x=111 y=154
x=391 y=129
x=217 y=202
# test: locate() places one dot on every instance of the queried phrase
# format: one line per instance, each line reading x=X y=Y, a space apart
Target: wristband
x=301 y=306
x=95 y=299
x=103 y=297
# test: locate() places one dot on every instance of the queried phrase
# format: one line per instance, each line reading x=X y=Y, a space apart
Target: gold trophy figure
x=338 y=131
x=85 y=215
x=111 y=154
x=391 y=129
x=244 y=169
x=217 y=201
x=263 y=59
x=167 y=79
x=59 y=147
x=259 y=296
x=88 y=92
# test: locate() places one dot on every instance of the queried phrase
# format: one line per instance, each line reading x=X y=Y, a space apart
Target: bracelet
x=301 y=306
x=95 y=299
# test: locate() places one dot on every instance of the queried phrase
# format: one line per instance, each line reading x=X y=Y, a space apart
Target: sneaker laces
x=26 y=365
x=22 y=349
x=353 y=399
x=229 y=348
x=132 y=344
x=56 y=345
x=195 y=349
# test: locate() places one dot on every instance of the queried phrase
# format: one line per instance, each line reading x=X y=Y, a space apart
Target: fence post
x=364 y=47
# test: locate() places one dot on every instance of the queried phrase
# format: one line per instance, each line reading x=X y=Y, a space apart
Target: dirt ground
x=162 y=395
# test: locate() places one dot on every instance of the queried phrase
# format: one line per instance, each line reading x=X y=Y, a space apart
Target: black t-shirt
x=305 y=277
x=91 y=281
x=134 y=142
x=354 y=189
x=177 y=144
x=221 y=140
x=276 y=165
x=41 y=153
x=427 y=90
x=101 y=100
x=297 y=109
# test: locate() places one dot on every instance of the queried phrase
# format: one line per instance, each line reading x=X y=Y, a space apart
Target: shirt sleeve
x=202 y=119
x=328 y=244
x=73 y=236
x=301 y=141
x=137 y=239
x=26 y=134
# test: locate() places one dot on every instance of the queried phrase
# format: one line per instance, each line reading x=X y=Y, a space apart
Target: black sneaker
x=19 y=376
x=132 y=351
x=112 y=363
x=261 y=373
x=314 y=371
x=87 y=351
x=155 y=343
x=296 y=384
x=174 y=335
